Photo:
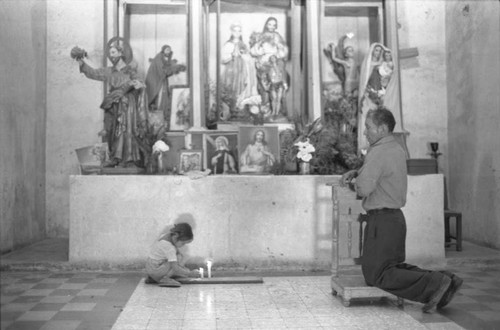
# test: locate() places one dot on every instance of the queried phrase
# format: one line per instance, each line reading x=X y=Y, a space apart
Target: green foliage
x=334 y=136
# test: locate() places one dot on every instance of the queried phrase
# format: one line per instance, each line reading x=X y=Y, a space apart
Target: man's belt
x=381 y=211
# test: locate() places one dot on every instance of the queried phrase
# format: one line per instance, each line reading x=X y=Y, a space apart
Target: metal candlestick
x=434 y=147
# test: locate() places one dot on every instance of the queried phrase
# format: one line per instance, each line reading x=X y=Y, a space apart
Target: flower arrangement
x=159 y=148
x=305 y=150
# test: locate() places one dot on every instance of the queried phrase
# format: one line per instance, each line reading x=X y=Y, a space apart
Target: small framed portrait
x=259 y=148
x=221 y=152
x=180 y=109
x=190 y=160
x=176 y=142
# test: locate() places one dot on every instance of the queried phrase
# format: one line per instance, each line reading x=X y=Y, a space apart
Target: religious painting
x=190 y=160
x=259 y=149
x=180 y=108
x=250 y=63
x=221 y=152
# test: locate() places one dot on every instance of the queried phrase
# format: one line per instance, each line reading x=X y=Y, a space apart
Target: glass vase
x=304 y=168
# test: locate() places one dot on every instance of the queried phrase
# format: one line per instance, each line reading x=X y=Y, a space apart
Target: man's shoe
x=456 y=283
x=436 y=297
x=149 y=280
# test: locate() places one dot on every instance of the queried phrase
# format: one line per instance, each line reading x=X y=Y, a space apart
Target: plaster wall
x=22 y=123
x=255 y=222
x=473 y=44
x=73 y=114
x=423 y=78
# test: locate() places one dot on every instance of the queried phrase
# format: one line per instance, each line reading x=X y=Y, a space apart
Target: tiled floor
x=119 y=301
x=71 y=299
x=66 y=301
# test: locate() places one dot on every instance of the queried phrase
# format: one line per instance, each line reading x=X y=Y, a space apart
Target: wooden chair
x=452 y=214
x=347 y=280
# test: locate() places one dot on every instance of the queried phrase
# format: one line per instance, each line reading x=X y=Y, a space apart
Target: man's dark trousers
x=384 y=255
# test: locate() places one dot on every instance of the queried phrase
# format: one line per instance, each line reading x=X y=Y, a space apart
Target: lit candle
x=209 y=268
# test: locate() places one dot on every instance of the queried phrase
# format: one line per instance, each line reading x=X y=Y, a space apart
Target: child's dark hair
x=183 y=230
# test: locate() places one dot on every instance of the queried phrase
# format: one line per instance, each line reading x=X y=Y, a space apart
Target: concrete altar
x=241 y=222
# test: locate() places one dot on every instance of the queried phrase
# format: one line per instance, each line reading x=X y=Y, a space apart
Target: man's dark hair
x=381 y=116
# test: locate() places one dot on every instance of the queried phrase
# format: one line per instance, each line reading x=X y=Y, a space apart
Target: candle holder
x=435 y=147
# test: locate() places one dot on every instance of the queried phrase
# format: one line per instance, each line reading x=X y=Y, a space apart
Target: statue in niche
x=125 y=117
x=379 y=79
x=372 y=60
x=157 y=88
x=262 y=46
x=277 y=85
x=239 y=76
x=341 y=57
x=376 y=86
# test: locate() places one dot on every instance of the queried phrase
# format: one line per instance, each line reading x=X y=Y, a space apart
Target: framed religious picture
x=259 y=149
x=190 y=160
x=180 y=108
x=221 y=152
x=176 y=142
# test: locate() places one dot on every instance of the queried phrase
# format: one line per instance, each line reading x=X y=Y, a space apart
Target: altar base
x=241 y=222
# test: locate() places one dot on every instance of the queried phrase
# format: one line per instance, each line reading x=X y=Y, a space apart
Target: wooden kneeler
x=347 y=280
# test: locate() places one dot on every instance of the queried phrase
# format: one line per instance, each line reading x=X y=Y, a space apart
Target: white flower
x=160 y=146
x=305 y=157
x=254 y=109
x=309 y=148
x=350 y=35
x=305 y=150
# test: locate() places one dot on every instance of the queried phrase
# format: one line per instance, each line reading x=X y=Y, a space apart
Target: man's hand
x=347 y=177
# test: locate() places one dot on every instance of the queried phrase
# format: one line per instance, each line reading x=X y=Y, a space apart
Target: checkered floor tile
x=64 y=300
